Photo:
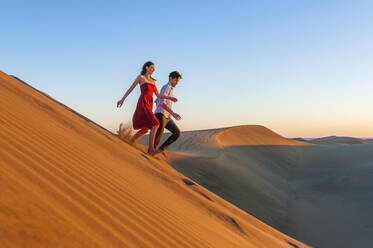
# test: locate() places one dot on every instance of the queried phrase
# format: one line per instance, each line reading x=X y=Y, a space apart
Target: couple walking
x=144 y=119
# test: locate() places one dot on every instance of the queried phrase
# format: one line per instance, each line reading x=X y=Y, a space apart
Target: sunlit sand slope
x=253 y=135
x=66 y=182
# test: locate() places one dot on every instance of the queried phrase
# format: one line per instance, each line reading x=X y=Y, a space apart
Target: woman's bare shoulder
x=140 y=78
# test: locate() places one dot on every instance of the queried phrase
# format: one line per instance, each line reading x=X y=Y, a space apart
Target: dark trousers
x=170 y=125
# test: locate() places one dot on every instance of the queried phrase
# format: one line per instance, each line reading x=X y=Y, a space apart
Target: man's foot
x=157 y=152
x=163 y=152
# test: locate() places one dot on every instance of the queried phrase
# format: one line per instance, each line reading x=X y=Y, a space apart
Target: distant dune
x=208 y=142
x=66 y=182
x=333 y=140
x=300 y=139
x=318 y=194
x=253 y=135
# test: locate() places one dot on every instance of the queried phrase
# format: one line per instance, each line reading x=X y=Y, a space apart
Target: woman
x=143 y=118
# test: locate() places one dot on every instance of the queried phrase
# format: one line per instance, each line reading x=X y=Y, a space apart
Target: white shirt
x=167 y=90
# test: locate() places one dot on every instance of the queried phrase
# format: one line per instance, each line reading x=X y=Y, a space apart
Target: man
x=164 y=112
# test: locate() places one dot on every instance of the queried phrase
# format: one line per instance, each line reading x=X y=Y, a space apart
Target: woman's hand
x=174 y=99
x=120 y=103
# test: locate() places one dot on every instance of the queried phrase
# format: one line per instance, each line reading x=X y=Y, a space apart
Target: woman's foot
x=153 y=152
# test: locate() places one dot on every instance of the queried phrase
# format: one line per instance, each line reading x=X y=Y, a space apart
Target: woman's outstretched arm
x=120 y=102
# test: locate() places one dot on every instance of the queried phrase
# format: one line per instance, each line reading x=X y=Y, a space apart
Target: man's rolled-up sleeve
x=165 y=91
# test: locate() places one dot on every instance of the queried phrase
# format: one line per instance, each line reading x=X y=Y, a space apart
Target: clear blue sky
x=301 y=67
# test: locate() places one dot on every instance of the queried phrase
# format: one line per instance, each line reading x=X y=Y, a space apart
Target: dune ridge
x=333 y=140
x=66 y=182
x=253 y=135
x=209 y=143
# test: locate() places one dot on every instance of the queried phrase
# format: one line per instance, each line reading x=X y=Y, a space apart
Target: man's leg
x=173 y=128
x=162 y=123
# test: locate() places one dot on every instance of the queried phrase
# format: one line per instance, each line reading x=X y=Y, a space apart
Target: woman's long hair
x=147 y=64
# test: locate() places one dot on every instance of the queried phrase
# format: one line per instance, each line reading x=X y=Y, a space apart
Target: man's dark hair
x=175 y=74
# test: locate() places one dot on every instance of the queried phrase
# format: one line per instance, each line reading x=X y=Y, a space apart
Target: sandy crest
x=66 y=182
x=253 y=135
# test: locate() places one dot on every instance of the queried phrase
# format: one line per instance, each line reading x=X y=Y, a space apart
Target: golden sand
x=66 y=182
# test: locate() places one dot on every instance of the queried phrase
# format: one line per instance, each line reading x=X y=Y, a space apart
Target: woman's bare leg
x=138 y=135
x=151 y=139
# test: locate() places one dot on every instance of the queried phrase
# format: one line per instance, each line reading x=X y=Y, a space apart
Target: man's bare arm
x=175 y=115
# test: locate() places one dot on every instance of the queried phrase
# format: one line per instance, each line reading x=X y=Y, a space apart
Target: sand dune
x=334 y=140
x=253 y=135
x=318 y=194
x=209 y=142
x=300 y=139
x=66 y=182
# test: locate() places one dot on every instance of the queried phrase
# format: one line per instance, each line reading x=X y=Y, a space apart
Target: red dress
x=143 y=116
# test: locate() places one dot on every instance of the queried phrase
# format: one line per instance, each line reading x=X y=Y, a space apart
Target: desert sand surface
x=319 y=194
x=66 y=182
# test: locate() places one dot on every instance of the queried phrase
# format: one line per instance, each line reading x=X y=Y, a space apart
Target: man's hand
x=176 y=116
x=174 y=99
